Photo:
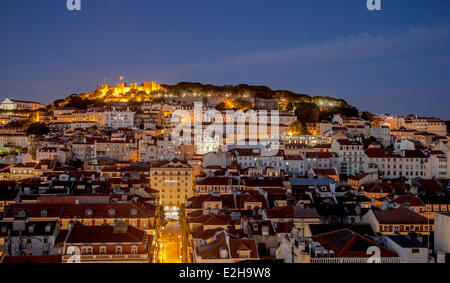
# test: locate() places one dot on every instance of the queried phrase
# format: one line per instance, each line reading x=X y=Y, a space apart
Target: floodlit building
x=11 y=104
x=119 y=243
x=174 y=182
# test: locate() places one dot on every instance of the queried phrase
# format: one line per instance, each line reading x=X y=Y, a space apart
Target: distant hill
x=309 y=109
x=242 y=90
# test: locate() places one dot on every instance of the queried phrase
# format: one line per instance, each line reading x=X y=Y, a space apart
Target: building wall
x=119 y=151
x=408 y=255
x=441 y=233
x=175 y=185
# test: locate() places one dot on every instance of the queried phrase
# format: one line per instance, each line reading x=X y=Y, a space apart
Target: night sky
x=393 y=61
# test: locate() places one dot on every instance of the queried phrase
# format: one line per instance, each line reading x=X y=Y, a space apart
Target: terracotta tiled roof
x=212 y=219
x=121 y=210
x=401 y=215
x=346 y=243
x=206 y=234
x=411 y=200
x=250 y=196
x=291 y=212
x=284 y=227
x=266 y=182
x=381 y=153
x=429 y=185
x=415 y=154
x=359 y=177
x=212 y=250
x=392 y=188
x=292 y=157
x=197 y=201
x=104 y=234
x=247 y=152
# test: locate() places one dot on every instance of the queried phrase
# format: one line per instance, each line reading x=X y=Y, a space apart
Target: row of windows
x=155 y=185
x=351 y=147
x=407 y=173
x=89 y=250
x=172 y=196
x=178 y=190
x=406 y=228
x=22 y=171
x=215 y=189
x=396 y=159
x=171 y=173
x=352 y=159
x=259 y=157
x=256 y=164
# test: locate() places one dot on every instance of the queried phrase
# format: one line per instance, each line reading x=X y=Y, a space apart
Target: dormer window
x=111 y=212
x=22 y=213
x=102 y=250
x=244 y=254
x=133 y=212
x=118 y=249
x=44 y=213
x=89 y=212
x=87 y=250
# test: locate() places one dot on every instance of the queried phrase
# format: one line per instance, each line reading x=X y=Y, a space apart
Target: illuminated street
x=170 y=242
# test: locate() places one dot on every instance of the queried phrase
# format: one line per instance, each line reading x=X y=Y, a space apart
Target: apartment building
x=120 y=243
x=118 y=118
x=174 y=182
x=12 y=104
x=117 y=150
x=351 y=156
x=393 y=165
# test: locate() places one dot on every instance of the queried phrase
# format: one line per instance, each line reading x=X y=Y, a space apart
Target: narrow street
x=170 y=243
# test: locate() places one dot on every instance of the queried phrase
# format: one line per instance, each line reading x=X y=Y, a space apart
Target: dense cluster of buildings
x=91 y=188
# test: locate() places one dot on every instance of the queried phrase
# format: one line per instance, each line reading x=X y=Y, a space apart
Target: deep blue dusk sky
x=393 y=61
